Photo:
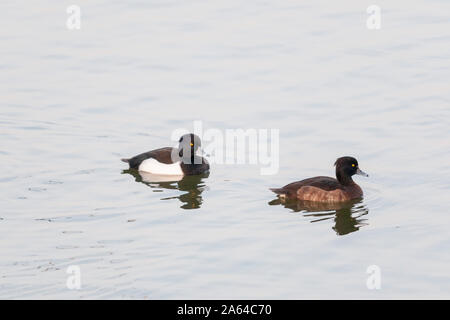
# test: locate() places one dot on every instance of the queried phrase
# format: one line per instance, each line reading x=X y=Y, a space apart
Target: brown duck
x=327 y=189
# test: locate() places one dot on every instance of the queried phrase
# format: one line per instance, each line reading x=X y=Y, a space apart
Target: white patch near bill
x=153 y=166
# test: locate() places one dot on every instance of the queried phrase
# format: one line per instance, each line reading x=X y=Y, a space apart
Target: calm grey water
x=74 y=102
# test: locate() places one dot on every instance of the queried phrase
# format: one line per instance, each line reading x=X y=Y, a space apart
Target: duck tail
x=125 y=160
x=279 y=191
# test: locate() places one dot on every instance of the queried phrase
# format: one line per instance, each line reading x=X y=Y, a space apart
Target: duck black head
x=188 y=145
x=346 y=167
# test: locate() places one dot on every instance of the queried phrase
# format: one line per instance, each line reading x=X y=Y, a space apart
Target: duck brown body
x=321 y=189
x=326 y=189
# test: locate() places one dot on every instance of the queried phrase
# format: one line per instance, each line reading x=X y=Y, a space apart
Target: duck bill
x=361 y=173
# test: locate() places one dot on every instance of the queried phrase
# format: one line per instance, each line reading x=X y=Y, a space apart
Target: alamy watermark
x=374 y=280
x=74 y=280
x=238 y=146
x=74 y=20
x=374 y=20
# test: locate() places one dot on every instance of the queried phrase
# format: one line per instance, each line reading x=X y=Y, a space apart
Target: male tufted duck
x=172 y=161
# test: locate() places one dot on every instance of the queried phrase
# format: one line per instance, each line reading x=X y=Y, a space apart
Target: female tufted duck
x=327 y=189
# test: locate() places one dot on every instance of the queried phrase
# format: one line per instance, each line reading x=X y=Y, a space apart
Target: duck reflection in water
x=193 y=185
x=347 y=216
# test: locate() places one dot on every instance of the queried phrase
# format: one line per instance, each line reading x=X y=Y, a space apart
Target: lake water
x=73 y=102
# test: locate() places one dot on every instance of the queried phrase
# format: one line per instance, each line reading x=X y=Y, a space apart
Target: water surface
x=74 y=102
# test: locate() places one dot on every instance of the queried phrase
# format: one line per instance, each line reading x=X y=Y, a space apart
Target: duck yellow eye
x=192 y=144
x=353 y=164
